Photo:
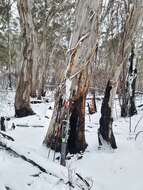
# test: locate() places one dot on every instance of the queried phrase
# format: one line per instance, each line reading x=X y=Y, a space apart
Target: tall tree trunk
x=22 y=98
x=43 y=67
x=35 y=68
x=105 y=132
x=9 y=46
x=128 y=107
x=76 y=81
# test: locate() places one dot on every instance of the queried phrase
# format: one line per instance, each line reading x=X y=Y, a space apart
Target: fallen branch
x=14 y=153
x=138 y=134
x=33 y=163
x=6 y=136
x=138 y=123
x=84 y=180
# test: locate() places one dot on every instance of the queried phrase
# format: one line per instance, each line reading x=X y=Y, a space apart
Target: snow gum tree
x=71 y=95
x=105 y=132
x=22 y=98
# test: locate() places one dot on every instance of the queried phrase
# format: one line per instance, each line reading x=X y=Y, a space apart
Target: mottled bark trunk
x=105 y=132
x=22 y=98
x=76 y=118
x=128 y=107
x=77 y=72
x=43 y=66
x=35 y=69
x=123 y=91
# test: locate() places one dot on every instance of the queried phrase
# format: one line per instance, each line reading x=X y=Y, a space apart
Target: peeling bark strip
x=105 y=132
x=22 y=98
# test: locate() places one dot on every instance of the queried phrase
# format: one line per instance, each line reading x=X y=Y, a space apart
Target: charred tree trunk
x=76 y=82
x=76 y=119
x=128 y=107
x=2 y=124
x=105 y=132
x=76 y=141
x=22 y=98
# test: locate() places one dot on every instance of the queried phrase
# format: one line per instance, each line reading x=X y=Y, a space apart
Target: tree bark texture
x=105 y=132
x=128 y=107
x=22 y=98
x=82 y=52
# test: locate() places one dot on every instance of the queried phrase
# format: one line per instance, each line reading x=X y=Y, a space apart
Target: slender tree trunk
x=122 y=90
x=128 y=107
x=35 y=68
x=22 y=98
x=9 y=48
x=43 y=67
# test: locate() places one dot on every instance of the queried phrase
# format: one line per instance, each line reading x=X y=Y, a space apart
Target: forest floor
x=104 y=169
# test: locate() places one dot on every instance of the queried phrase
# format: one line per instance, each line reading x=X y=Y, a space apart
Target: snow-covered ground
x=107 y=169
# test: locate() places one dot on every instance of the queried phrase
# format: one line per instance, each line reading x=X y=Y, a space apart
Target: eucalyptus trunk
x=105 y=132
x=128 y=107
x=76 y=81
x=22 y=98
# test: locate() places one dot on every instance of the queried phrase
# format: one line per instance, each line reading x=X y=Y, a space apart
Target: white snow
x=119 y=169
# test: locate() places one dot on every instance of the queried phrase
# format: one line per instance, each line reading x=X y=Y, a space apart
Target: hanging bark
x=76 y=81
x=22 y=98
x=128 y=107
x=105 y=132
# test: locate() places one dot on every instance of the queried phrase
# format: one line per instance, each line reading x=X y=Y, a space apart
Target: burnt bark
x=128 y=107
x=105 y=131
x=2 y=124
x=77 y=72
x=76 y=118
x=76 y=141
